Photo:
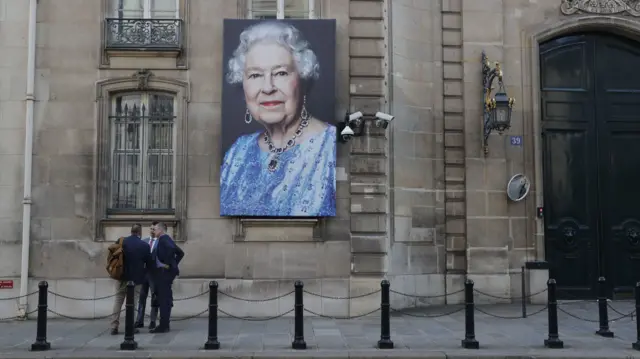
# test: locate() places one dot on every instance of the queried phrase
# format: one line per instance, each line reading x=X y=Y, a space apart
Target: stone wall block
x=452 y=5
x=487 y=260
x=368 y=204
x=368 y=165
x=454 y=156
x=369 y=28
x=368 y=263
x=453 y=71
x=367 y=48
x=368 y=223
x=366 y=86
x=409 y=258
x=366 y=9
x=451 y=37
x=360 y=286
x=364 y=184
x=366 y=67
x=369 y=145
x=368 y=244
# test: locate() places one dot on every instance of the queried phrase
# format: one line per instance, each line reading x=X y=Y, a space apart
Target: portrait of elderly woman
x=279 y=146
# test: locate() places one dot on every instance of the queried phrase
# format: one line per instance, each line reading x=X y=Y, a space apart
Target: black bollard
x=553 y=342
x=636 y=345
x=523 y=293
x=469 y=341
x=41 y=343
x=129 y=342
x=298 y=339
x=212 y=339
x=385 y=325
x=603 y=310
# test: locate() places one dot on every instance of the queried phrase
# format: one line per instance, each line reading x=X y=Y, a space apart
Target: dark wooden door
x=591 y=161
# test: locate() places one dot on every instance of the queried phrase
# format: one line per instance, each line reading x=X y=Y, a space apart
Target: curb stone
x=360 y=354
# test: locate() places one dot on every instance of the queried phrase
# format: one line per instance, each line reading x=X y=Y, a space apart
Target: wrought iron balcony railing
x=143 y=34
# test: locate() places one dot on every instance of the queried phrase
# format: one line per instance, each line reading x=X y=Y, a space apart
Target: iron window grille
x=144 y=24
x=143 y=162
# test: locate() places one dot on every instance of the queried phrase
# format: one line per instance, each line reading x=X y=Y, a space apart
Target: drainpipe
x=28 y=157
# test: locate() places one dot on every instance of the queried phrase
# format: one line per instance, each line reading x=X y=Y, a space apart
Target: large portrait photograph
x=278 y=119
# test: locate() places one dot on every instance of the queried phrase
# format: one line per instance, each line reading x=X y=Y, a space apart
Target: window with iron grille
x=143 y=137
x=143 y=24
x=281 y=9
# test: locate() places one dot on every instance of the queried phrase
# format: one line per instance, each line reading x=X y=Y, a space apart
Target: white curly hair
x=278 y=32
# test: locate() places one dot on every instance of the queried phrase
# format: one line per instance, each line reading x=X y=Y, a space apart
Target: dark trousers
x=142 y=303
x=163 y=281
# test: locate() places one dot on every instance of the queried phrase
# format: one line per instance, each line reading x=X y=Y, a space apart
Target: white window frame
x=146 y=9
x=144 y=152
x=280 y=13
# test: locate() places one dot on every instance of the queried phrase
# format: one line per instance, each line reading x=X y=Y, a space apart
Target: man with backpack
x=129 y=260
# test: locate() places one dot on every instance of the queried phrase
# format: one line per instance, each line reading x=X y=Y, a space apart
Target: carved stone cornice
x=601 y=7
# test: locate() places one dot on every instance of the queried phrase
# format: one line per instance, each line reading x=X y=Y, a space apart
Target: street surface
x=437 y=337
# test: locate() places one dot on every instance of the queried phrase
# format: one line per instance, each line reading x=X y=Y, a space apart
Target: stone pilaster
x=454 y=143
x=369 y=160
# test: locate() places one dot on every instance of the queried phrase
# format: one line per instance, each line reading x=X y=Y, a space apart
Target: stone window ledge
x=278 y=230
x=115 y=227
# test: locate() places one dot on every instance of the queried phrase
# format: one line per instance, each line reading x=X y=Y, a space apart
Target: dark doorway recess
x=590 y=106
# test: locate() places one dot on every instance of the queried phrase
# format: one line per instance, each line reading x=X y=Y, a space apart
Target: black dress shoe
x=159 y=330
x=152 y=325
x=138 y=325
x=114 y=331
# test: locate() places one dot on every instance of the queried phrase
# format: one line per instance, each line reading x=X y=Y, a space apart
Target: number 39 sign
x=516 y=140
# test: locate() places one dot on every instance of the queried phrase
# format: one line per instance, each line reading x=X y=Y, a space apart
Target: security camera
x=383 y=119
x=346 y=133
x=355 y=116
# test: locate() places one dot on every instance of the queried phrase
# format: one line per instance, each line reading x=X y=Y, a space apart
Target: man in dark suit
x=137 y=259
x=166 y=255
x=147 y=287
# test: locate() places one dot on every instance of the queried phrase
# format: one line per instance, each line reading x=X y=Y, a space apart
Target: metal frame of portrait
x=320 y=104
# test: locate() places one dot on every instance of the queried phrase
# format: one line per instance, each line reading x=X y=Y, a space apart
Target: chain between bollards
x=636 y=345
x=469 y=341
x=129 y=342
x=553 y=341
x=212 y=337
x=385 y=324
x=41 y=343
x=603 y=310
x=298 y=340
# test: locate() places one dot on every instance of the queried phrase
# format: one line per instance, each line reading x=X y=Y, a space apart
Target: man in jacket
x=147 y=287
x=166 y=255
x=137 y=259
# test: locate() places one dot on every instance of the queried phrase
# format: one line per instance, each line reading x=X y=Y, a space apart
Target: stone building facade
x=419 y=203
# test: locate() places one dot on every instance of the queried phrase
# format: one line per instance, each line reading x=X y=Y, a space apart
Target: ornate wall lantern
x=497 y=108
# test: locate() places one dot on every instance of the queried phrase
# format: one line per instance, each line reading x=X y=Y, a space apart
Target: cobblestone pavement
x=414 y=335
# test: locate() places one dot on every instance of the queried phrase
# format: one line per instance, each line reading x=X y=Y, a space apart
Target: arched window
x=141 y=161
x=142 y=152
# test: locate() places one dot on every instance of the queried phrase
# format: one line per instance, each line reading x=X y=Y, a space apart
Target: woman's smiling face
x=271 y=84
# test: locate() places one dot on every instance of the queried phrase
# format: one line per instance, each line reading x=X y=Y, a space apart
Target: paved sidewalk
x=414 y=337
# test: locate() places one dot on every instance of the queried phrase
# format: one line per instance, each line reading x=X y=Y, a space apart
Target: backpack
x=115 y=260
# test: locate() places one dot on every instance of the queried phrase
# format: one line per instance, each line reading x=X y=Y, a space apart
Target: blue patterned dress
x=303 y=184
